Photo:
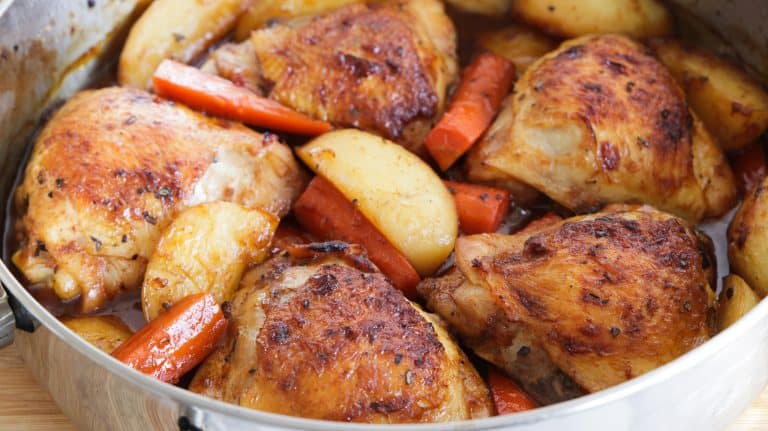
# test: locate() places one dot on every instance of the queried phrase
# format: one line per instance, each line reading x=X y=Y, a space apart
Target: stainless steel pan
x=49 y=49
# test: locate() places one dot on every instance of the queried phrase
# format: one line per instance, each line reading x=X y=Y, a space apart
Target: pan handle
x=7 y=321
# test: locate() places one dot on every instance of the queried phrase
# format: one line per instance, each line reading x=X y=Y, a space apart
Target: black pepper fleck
x=164 y=192
x=149 y=218
x=226 y=309
x=40 y=247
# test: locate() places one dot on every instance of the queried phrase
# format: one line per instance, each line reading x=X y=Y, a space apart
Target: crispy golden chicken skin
x=110 y=171
x=601 y=298
x=599 y=121
x=317 y=334
x=382 y=68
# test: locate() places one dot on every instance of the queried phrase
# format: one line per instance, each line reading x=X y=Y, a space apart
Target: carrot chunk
x=507 y=395
x=484 y=84
x=749 y=166
x=480 y=209
x=326 y=213
x=177 y=340
x=218 y=96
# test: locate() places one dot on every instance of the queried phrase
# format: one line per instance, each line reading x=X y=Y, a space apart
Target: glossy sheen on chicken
x=110 y=171
x=381 y=68
x=320 y=336
x=600 y=121
x=601 y=298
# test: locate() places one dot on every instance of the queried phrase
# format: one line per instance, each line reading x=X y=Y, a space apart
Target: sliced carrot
x=484 y=84
x=507 y=395
x=325 y=212
x=481 y=209
x=218 y=96
x=177 y=340
x=749 y=166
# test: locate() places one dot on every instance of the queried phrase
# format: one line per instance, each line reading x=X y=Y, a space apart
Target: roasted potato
x=206 y=249
x=104 y=332
x=482 y=7
x=395 y=190
x=571 y=18
x=265 y=10
x=732 y=105
x=748 y=240
x=519 y=44
x=735 y=300
x=178 y=29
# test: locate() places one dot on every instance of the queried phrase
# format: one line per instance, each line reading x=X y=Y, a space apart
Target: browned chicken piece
x=599 y=298
x=382 y=68
x=236 y=62
x=600 y=120
x=110 y=171
x=317 y=333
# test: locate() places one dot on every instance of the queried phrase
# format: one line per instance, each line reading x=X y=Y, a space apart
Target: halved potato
x=736 y=299
x=572 y=18
x=178 y=29
x=104 y=332
x=748 y=239
x=732 y=105
x=493 y=8
x=263 y=11
x=519 y=44
x=395 y=190
x=206 y=249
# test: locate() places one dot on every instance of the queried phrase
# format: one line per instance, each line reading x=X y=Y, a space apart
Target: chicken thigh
x=599 y=298
x=318 y=333
x=110 y=171
x=598 y=121
x=385 y=67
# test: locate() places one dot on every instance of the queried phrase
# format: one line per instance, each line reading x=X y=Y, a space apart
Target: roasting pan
x=51 y=48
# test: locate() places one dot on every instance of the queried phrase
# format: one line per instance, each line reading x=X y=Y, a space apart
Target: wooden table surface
x=25 y=406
